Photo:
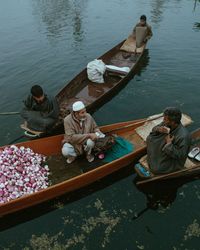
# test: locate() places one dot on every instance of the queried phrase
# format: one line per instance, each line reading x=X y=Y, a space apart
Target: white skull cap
x=77 y=106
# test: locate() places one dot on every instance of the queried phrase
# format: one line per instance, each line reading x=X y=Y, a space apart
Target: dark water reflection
x=161 y=195
x=197 y=26
x=158 y=6
x=48 y=42
x=60 y=16
x=195 y=4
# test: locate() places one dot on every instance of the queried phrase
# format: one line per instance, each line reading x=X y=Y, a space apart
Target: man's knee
x=68 y=150
x=90 y=143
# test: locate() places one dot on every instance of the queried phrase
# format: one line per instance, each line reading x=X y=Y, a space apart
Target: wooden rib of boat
x=93 y=94
x=191 y=168
x=65 y=178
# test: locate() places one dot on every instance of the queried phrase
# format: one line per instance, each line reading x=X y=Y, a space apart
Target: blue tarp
x=142 y=170
x=119 y=149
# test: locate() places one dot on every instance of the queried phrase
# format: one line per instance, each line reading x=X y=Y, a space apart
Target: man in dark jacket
x=168 y=144
x=40 y=111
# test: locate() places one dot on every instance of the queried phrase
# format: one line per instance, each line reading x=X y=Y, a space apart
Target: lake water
x=48 y=42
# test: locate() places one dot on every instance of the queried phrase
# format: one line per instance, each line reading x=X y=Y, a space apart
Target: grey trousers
x=68 y=149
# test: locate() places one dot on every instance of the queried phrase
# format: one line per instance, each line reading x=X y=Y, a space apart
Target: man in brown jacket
x=143 y=23
x=81 y=132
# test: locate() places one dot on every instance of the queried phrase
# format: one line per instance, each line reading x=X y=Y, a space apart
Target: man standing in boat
x=143 y=23
x=168 y=144
x=81 y=132
x=40 y=111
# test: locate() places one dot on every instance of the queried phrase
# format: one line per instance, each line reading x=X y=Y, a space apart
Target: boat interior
x=81 y=88
x=62 y=171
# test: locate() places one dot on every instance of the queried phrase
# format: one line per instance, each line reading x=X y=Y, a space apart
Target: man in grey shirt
x=168 y=144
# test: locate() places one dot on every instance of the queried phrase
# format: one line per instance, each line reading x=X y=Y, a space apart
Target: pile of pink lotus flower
x=21 y=172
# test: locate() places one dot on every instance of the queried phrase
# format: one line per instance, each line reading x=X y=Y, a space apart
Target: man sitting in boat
x=168 y=144
x=41 y=111
x=81 y=132
x=143 y=23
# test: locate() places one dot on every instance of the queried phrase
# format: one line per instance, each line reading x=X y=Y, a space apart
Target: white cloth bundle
x=95 y=71
x=123 y=70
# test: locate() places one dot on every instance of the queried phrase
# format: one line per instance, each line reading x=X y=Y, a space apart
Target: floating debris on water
x=58 y=205
x=193 y=230
x=139 y=246
x=98 y=204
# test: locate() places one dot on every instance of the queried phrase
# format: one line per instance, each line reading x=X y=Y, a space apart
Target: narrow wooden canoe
x=94 y=95
x=191 y=168
x=66 y=178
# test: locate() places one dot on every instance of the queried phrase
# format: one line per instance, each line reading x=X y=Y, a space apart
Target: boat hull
x=52 y=146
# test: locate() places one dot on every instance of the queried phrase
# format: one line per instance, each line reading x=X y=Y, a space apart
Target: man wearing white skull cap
x=81 y=131
x=77 y=106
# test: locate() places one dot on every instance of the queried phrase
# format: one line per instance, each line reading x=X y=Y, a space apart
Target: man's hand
x=169 y=139
x=93 y=136
x=163 y=130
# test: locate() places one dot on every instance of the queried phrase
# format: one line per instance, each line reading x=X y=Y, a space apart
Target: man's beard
x=82 y=119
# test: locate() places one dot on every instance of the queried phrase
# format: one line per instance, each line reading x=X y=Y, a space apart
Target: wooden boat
x=93 y=94
x=191 y=168
x=96 y=94
x=66 y=178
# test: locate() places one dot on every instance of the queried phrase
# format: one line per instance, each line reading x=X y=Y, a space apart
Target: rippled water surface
x=48 y=42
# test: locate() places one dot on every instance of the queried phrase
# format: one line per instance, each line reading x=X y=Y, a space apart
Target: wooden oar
x=9 y=113
x=166 y=175
x=136 y=123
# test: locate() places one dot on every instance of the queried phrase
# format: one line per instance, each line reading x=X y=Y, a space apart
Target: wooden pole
x=9 y=113
x=136 y=123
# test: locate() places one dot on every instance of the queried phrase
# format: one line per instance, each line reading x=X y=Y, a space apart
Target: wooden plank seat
x=130 y=45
